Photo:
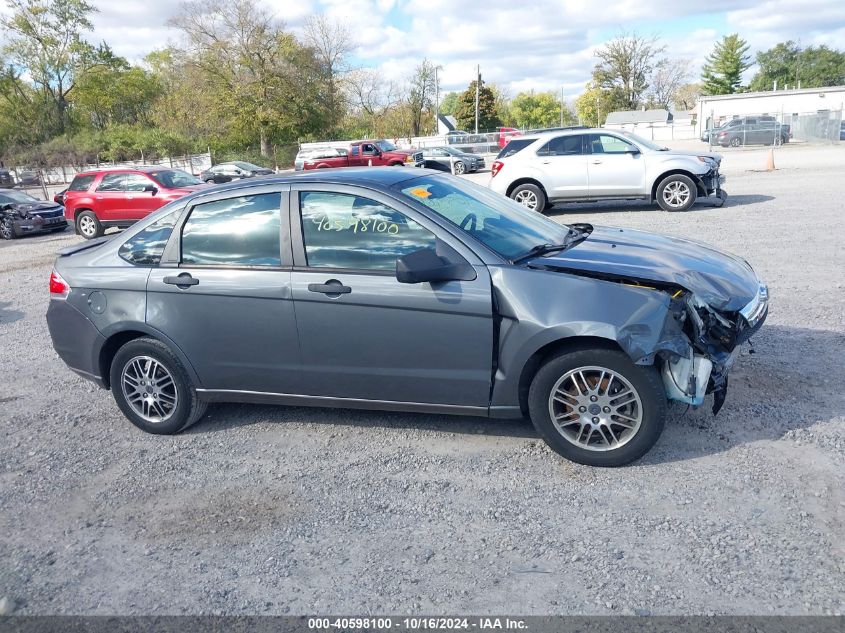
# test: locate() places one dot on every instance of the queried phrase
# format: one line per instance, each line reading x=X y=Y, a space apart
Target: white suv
x=594 y=164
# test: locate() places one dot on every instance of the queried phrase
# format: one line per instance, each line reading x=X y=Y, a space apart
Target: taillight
x=59 y=288
x=496 y=167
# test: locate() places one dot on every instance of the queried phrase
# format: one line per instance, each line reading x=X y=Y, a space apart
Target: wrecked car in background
x=407 y=290
x=21 y=214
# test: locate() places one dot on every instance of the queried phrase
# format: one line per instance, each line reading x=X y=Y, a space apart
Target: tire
x=88 y=226
x=676 y=193
x=7 y=230
x=210 y=181
x=735 y=142
x=460 y=167
x=648 y=408
x=530 y=196
x=176 y=405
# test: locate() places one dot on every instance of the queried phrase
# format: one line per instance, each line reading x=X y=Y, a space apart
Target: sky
x=520 y=45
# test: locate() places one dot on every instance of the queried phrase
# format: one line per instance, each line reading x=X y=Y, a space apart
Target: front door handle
x=182 y=280
x=331 y=287
x=596 y=162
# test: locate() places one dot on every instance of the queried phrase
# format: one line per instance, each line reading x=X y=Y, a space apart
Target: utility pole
x=436 y=101
x=477 y=94
x=561 y=106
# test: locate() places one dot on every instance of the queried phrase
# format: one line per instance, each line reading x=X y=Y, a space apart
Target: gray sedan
x=451 y=159
x=395 y=289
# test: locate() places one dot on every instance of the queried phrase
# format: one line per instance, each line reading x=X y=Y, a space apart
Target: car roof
x=110 y=170
x=565 y=132
x=373 y=176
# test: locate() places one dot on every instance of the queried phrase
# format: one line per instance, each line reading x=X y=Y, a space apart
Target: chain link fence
x=748 y=130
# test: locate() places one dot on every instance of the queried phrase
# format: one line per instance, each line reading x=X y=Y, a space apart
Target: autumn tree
x=625 y=65
x=421 y=95
x=596 y=102
x=331 y=43
x=666 y=80
x=723 y=69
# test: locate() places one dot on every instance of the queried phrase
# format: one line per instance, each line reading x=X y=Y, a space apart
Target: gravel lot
x=302 y=511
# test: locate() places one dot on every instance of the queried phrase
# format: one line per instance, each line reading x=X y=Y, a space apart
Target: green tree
x=530 y=110
x=596 y=102
x=626 y=64
x=45 y=39
x=722 y=71
x=488 y=116
x=449 y=103
x=788 y=64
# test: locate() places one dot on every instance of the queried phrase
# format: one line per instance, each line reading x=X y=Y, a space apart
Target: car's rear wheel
x=530 y=196
x=88 y=226
x=7 y=230
x=460 y=167
x=735 y=142
x=676 y=193
x=596 y=407
x=152 y=388
x=209 y=181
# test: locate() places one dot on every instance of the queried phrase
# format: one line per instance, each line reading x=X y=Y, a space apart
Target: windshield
x=639 y=140
x=499 y=223
x=174 y=178
x=386 y=146
x=16 y=196
x=247 y=166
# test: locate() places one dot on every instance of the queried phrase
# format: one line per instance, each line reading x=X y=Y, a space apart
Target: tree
x=666 y=80
x=371 y=98
x=722 y=71
x=332 y=43
x=625 y=66
x=449 y=103
x=46 y=41
x=421 y=95
x=488 y=117
x=788 y=64
x=686 y=97
x=529 y=110
x=595 y=103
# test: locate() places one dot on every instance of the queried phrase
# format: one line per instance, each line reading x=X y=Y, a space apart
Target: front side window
x=346 y=231
x=146 y=247
x=607 y=144
x=498 y=222
x=563 y=146
x=242 y=231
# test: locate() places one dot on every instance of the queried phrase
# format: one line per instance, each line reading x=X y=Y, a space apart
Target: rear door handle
x=182 y=280
x=596 y=162
x=331 y=287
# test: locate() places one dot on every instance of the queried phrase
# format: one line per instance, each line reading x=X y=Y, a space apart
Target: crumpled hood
x=723 y=281
x=34 y=208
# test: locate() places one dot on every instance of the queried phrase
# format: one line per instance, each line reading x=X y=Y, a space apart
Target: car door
x=616 y=167
x=563 y=167
x=370 y=152
x=362 y=334
x=110 y=198
x=222 y=292
x=140 y=200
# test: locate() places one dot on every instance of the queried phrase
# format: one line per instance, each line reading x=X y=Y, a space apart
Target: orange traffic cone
x=770 y=160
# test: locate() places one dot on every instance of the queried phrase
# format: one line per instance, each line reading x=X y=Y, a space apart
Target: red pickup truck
x=363 y=153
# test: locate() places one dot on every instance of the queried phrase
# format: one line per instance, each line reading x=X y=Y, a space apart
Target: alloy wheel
x=87 y=226
x=149 y=389
x=6 y=231
x=595 y=408
x=527 y=199
x=676 y=194
x=459 y=167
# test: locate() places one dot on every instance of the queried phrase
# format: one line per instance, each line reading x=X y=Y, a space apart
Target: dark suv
x=764 y=130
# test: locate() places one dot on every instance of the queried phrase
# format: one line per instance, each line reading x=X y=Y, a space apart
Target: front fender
x=538 y=308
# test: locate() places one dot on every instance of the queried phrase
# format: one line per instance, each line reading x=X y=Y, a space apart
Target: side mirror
x=151 y=187
x=632 y=150
x=426 y=265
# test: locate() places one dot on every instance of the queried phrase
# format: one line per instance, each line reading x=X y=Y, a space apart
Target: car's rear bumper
x=76 y=340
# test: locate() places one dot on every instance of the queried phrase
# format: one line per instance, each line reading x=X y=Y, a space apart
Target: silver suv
x=594 y=164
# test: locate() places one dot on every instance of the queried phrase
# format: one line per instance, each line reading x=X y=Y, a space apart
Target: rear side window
x=146 y=247
x=81 y=183
x=514 y=146
x=563 y=146
x=241 y=231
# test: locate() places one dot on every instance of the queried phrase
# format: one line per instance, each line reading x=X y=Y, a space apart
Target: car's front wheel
x=88 y=226
x=152 y=388
x=676 y=193
x=7 y=229
x=530 y=196
x=735 y=142
x=596 y=407
x=460 y=167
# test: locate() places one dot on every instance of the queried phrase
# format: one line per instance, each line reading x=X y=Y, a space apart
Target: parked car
x=314 y=155
x=443 y=158
x=97 y=200
x=6 y=178
x=457 y=137
x=506 y=134
x=597 y=164
x=758 y=133
x=226 y=172
x=376 y=153
x=59 y=198
x=28 y=179
x=842 y=131
x=21 y=214
x=403 y=290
